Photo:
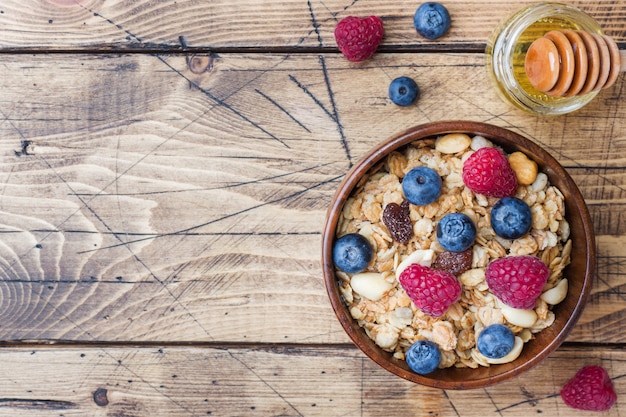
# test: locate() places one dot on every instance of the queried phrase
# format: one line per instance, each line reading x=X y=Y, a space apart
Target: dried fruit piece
x=396 y=218
x=454 y=262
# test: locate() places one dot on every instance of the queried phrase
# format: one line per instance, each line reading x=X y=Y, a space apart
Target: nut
x=480 y=142
x=557 y=294
x=525 y=169
x=453 y=143
x=519 y=317
x=420 y=256
x=370 y=285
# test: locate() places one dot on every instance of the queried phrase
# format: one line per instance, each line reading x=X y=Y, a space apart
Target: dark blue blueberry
x=431 y=20
x=456 y=232
x=403 y=91
x=495 y=341
x=421 y=186
x=423 y=357
x=511 y=218
x=352 y=253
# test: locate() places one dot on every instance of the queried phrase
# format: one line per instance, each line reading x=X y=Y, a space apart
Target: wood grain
x=267 y=381
x=144 y=201
x=222 y=24
x=165 y=169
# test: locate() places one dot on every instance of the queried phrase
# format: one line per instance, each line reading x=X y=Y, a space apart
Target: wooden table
x=166 y=168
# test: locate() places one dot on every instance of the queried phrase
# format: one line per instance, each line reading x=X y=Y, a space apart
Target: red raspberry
x=517 y=280
x=487 y=172
x=590 y=389
x=431 y=291
x=358 y=38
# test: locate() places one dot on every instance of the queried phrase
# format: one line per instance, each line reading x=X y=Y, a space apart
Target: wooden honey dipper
x=566 y=63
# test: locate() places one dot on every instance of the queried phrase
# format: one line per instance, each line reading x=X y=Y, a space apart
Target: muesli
x=379 y=303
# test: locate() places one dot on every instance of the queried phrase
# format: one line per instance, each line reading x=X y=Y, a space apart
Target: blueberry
x=403 y=91
x=495 y=341
x=421 y=186
x=352 y=253
x=456 y=232
x=431 y=20
x=511 y=218
x=423 y=357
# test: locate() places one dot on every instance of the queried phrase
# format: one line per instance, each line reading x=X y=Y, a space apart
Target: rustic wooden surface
x=165 y=171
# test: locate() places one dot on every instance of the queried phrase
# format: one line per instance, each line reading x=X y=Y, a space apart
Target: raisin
x=454 y=262
x=396 y=218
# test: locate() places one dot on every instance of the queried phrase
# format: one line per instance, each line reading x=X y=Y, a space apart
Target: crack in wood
x=34 y=404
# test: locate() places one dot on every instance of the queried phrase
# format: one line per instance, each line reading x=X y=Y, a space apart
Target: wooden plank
x=144 y=201
x=272 y=381
x=159 y=25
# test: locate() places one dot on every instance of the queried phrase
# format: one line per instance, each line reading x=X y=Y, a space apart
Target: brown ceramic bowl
x=579 y=272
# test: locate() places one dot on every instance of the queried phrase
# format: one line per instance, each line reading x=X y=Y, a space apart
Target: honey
x=506 y=52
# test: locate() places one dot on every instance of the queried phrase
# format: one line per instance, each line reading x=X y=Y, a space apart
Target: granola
x=380 y=305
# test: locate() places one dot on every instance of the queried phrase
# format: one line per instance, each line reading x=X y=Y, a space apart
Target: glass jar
x=507 y=47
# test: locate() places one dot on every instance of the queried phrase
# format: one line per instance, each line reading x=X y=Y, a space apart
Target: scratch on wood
x=118 y=26
x=331 y=96
x=492 y=401
x=533 y=402
x=315 y=25
x=528 y=394
x=267 y=384
x=41 y=405
x=456 y=412
x=222 y=103
x=281 y=108
x=219 y=219
x=312 y=96
x=334 y=115
x=184 y=190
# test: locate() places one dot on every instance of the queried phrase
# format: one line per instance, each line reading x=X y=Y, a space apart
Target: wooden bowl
x=579 y=272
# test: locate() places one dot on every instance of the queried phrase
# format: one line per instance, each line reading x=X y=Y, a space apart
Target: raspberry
x=517 y=280
x=431 y=291
x=487 y=172
x=590 y=389
x=358 y=38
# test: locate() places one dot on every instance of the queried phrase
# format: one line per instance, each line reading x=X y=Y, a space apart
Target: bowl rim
x=574 y=201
